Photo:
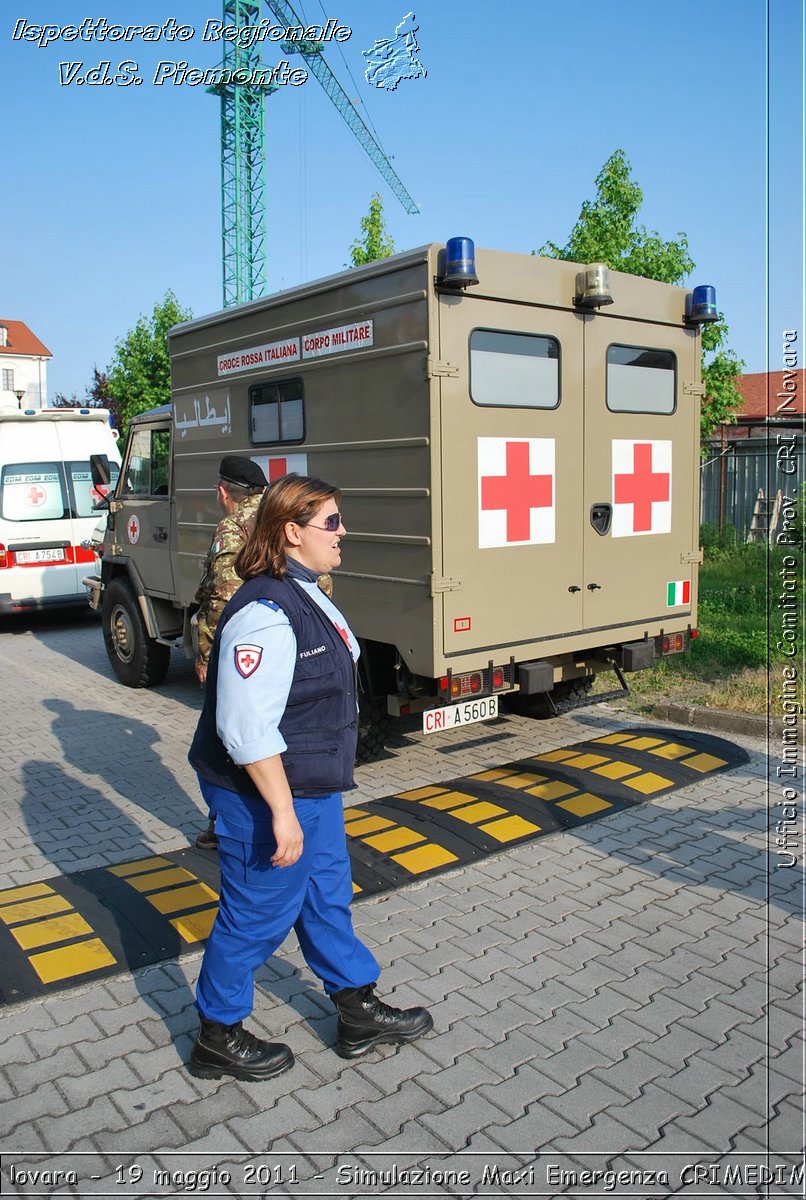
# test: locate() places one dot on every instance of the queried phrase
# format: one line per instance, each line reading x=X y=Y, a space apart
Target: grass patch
x=729 y=662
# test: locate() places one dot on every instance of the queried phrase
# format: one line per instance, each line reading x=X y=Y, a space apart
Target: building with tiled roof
x=772 y=401
x=23 y=366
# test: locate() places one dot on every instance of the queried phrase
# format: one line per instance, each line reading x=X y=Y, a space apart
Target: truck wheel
x=137 y=660
x=373 y=726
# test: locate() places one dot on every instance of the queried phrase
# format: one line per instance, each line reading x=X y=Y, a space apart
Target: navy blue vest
x=319 y=725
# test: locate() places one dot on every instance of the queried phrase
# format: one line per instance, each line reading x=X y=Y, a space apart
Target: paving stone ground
x=623 y=997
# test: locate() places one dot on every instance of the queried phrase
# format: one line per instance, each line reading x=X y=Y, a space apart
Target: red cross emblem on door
x=642 y=488
x=516 y=491
x=37 y=495
x=133 y=528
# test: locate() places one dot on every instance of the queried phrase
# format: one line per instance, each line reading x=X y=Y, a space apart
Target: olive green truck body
x=519 y=469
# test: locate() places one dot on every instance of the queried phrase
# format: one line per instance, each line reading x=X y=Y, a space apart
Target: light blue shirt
x=256 y=662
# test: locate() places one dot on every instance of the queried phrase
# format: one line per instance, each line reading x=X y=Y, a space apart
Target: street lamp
x=19 y=393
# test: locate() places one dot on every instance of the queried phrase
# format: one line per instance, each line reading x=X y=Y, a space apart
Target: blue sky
x=112 y=194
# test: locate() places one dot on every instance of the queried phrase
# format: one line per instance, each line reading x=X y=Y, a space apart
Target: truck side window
x=514 y=370
x=276 y=412
x=640 y=380
x=146 y=470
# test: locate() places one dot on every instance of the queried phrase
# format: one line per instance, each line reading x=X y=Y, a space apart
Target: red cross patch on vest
x=247 y=659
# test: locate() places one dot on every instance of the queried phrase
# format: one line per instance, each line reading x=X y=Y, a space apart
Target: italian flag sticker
x=678 y=592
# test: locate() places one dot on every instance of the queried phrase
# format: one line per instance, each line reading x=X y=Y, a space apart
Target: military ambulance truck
x=516 y=441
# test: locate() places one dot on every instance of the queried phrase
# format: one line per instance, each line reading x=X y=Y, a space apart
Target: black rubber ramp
x=77 y=928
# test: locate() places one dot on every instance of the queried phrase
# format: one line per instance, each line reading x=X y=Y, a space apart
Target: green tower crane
x=243 y=145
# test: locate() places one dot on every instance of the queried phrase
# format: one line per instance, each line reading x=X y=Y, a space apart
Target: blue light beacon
x=701 y=305
x=460 y=263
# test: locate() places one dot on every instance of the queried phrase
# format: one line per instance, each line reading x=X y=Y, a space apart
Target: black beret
x=242 y=471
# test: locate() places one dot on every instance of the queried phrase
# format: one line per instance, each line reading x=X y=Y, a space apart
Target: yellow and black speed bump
x=79 y=928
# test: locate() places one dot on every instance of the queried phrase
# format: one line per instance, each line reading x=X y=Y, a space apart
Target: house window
x=8 y=380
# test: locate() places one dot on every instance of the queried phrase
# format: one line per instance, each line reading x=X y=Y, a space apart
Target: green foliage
x=606 y=231
x=139 y=375
x=376 y=242
x=715 y=544
x=720 y=367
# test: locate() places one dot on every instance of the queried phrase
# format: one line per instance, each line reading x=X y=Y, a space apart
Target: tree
x=376 y=242
x=606 y=232
x=139 y=376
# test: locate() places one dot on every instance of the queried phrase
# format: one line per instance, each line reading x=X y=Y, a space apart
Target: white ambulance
x=47 y=501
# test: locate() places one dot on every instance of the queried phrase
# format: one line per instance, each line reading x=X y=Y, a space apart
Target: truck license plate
x=40 y=556
x=466 y=713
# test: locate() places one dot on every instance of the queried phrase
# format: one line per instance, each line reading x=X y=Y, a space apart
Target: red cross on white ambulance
x=642 y=488
x=516 y=491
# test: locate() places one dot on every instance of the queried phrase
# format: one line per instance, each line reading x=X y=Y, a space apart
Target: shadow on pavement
x=122 y=751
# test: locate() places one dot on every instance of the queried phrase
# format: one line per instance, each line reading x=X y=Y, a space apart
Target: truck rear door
x=512 y=473
x=641 y=472
x=569 y=463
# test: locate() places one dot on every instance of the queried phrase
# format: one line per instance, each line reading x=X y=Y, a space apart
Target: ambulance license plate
x=53 y=554
x=435 y=720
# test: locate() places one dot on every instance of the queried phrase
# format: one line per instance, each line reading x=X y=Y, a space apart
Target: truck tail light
x=3 y=557
x=674 y=643
x=475 y=683
x=695 y=633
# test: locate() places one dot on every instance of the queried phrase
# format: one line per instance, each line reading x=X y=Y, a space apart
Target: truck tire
x=373 y=727
x=137 y=660
x=565 y=695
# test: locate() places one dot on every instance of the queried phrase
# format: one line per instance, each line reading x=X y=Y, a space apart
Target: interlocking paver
x=615 y=967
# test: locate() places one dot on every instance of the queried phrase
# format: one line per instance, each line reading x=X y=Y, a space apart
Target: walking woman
x=274 y=750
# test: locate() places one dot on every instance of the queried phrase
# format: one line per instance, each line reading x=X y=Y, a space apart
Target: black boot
x=232 y=1050
x=207 y=839
x=365 y=1021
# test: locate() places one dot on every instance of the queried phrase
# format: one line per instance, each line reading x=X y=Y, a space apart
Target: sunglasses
x=332 y=522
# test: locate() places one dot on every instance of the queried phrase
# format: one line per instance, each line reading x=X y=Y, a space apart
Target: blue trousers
x=260 y=904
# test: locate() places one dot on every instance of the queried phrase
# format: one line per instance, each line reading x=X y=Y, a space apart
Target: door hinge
x=444 y=585
x=434 y=367
x=115 y=506
x=690 y=388
x=691 y=556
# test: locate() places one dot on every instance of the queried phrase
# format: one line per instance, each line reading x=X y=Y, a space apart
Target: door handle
x=160 y=534
x=601 y=517
x=594 y=587
x=574 y=588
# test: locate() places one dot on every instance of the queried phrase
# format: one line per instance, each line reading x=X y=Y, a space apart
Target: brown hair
x=291 y=498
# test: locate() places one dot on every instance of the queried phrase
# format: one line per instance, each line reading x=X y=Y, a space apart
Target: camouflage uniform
x=219 y=581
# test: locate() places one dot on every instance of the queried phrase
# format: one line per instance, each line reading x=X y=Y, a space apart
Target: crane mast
x=243 y=145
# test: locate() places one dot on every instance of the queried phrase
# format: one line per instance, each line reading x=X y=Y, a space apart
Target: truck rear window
x=640 y=380
x=276 y=412
x=40 y=491
x=518 y=370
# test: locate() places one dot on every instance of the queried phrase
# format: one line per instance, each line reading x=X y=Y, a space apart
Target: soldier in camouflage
x=240 y=486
